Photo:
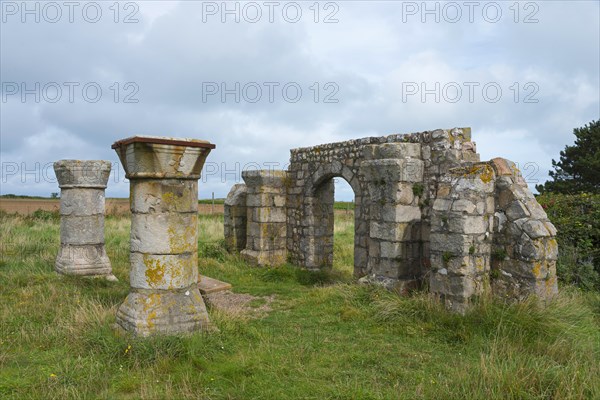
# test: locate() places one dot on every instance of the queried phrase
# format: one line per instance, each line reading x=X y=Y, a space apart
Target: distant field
x=27 y=206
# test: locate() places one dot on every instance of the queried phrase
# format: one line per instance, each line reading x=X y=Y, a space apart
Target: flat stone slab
x=209 y=285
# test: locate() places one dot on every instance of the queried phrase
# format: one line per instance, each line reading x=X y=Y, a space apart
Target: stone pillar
x=266 y=229
x=461 y=235
x=394 y=174
x=163 y=174
x=235 y=219
x=82 y=185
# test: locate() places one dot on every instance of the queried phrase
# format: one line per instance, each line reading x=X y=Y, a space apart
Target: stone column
x=163 y=174
x=266 y=229
x=394 y=174
x=82 y=184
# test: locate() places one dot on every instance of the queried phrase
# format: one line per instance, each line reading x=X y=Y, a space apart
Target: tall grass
x=324 y=338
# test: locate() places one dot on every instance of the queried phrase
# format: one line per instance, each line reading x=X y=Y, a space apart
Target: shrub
x=577 y=219
x=44 y=215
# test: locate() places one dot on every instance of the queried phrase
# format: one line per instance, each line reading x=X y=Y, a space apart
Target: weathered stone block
x=163 y=271
x=454 y=244
x=517 y=210
x=268 y=214
x=265 y=178
x=442 y=204
x=164 y=312
x=157 y=157
x=467 y=224
x=405 y=194
x=535 y=229
x=164 y=233
x=82 y=230
x=392 y=150
x=400 y=213
x=393 y=170
x=463 y=205
x=390 y=231
x=83 y=260
x=394 y=250
x=162 y=195
x=78 y=202
x=269 y=243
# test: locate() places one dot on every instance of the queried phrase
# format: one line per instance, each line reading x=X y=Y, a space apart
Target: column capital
x=82 y=173
x=162 y=157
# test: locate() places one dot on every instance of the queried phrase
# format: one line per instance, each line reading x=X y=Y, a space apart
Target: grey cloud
x=368 y=54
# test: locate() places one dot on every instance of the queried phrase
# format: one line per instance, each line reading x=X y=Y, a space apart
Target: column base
x=83 y=260
x=270 y=258
x=151 y=312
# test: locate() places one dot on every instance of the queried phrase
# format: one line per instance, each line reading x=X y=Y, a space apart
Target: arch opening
x=325 y=223
x=343 y=230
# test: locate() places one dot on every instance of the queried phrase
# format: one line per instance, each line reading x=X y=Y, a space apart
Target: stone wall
x=310 y=219
x=426 y=211
x=524 y=248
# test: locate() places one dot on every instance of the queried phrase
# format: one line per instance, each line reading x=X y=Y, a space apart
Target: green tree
x=578 y=169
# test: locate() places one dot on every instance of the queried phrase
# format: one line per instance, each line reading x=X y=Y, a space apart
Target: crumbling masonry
x=427 y=211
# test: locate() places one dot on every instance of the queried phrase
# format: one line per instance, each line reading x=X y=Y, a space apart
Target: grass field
x=324 y=337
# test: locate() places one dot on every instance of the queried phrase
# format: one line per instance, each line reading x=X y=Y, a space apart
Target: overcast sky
x=260 y=78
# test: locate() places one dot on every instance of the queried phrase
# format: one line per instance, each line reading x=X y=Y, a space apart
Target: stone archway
x=318 y=218
x=426 y=209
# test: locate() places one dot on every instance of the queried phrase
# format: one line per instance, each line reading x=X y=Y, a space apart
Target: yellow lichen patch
x=479 y=263
x=150 y=320
x=537 y=268
x=485 y=172
x=552 y=246
x=168 y=198
x=182 y=240
x=155 y=272
x=149 y=308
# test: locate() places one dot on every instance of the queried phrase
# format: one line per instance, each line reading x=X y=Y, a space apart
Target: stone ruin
x=428 y=212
